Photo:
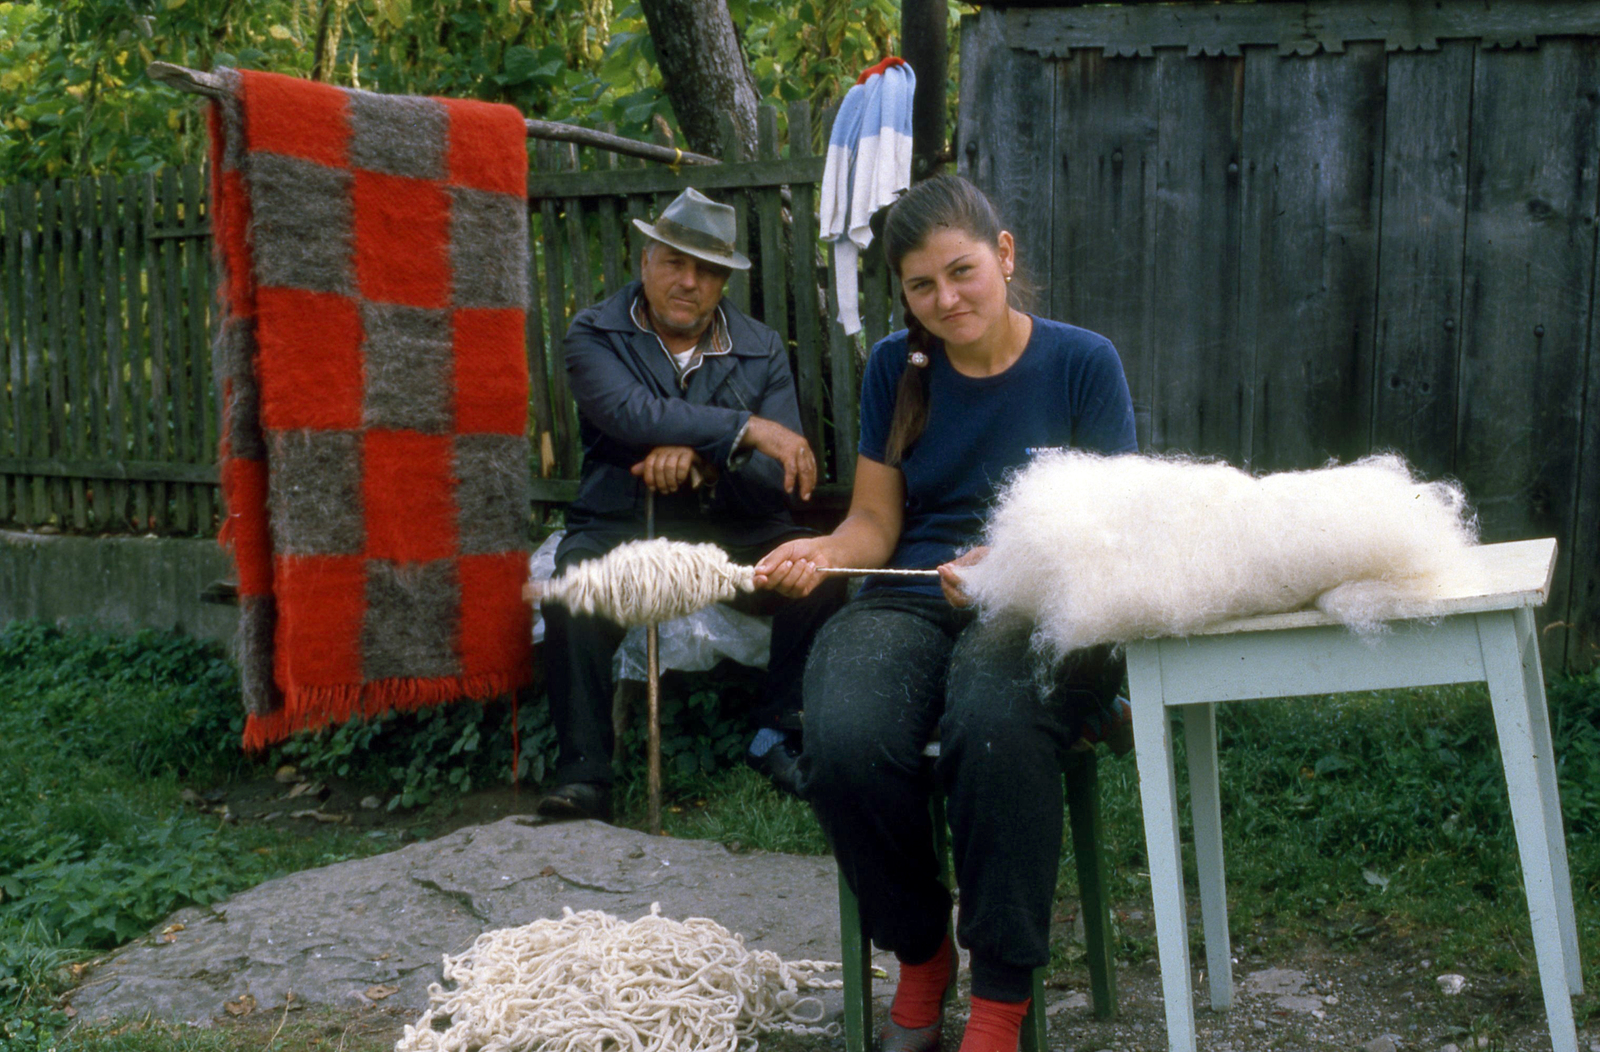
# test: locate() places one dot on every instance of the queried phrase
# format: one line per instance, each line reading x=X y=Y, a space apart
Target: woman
x=948 y=408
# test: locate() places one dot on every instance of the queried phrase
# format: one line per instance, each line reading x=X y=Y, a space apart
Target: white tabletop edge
x=1518 y=574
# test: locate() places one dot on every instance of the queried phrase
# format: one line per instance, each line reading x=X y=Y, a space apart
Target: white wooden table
x=1478 y=630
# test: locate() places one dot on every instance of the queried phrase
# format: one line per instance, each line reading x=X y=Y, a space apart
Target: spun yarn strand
x=590 y=982
x=647 y=582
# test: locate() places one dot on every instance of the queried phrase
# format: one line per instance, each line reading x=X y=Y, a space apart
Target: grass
x=1377 y=818
x=1356 y=822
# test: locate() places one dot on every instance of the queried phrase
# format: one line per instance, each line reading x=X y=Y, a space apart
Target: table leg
x=1503 y=662
x=1159 y=795
x=1544 y=759
x=1205 y=808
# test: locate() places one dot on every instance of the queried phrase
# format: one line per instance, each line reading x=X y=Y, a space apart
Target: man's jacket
x=630 y=401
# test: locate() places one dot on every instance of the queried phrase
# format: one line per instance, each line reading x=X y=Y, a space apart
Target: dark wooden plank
x=1198 y=385
x=72 y=351
x=172 y=408
x=577 y=234
x=1528 y=278
x=1313 y=131
x=613 y=242
x=14 y=395
x=53 y=416
x=1103 y=231
x=638 y=207
x=772 y=248
x=874 y=286
x=1419 y=256
x=91 y=266
x=845 y=402
x=136 y=190
x=1006 y=129
x=555 y=285
x=542 y=430
x=661 y=180
x=74 y=468
x=33 y=403
x=808 y=326
x=738 y=288
x=1583 y=609
x=158 y=388
x=114 y=433
x=198 y=402
x=1300 y=28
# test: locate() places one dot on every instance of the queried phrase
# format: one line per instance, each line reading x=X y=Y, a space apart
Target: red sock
x=920 y=995
x=994 y=1026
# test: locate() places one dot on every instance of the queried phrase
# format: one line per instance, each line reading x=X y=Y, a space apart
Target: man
x=680 y=394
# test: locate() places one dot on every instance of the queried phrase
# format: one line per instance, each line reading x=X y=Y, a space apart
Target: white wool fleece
x=1099 y=549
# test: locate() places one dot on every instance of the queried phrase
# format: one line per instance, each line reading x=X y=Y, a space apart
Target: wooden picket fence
x=108 y=413
x=108 y=421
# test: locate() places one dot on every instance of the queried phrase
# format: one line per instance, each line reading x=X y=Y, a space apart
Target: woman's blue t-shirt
x=1066 y=389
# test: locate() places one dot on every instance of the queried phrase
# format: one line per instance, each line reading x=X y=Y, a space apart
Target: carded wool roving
x=1099 y=549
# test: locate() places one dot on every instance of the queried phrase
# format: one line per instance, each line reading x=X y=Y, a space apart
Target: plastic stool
x=1080 y=774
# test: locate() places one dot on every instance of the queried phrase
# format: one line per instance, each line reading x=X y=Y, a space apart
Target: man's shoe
x=781 y=765
x=577 y=800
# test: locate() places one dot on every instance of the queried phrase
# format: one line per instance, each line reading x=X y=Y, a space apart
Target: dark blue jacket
x=629 y=401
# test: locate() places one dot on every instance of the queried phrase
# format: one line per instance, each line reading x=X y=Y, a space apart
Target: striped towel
x=373 y=281
x=868 y=164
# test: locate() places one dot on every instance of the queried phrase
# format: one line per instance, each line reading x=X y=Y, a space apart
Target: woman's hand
x=950 y=575
x=791 y=568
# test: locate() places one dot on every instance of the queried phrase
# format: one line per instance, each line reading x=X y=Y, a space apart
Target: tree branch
x=195 y=82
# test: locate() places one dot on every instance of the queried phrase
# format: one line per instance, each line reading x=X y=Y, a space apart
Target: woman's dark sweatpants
x=885 y=673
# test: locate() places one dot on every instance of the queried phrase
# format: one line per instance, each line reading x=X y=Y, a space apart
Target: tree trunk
x=703 y=71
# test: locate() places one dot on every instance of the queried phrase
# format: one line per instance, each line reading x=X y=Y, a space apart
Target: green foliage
x=95 y=846
x=74 y=99
x=150 y=705
x=1356 y=817
x=424 y=755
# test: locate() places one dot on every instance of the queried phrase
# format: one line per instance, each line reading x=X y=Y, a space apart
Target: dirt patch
x=297 y=801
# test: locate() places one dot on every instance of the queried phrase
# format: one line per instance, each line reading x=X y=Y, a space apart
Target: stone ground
x=365 y=937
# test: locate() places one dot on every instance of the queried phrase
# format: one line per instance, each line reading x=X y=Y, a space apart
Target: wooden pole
x=196 y=82
x=652 y=639
x=924 y=43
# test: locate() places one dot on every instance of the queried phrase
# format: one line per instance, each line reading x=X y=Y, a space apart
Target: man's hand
x=950 y=576
x=787 y=448
x=665 y=468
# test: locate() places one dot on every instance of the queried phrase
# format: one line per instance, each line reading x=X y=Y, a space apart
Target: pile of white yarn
x=592 y=983
x=1098 y=549
x=647 y=582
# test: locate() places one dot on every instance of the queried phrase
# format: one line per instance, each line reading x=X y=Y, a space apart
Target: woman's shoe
x=896 y=1038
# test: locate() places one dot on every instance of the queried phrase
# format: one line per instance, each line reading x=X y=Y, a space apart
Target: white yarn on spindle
x=647 y=582
x=590 y=982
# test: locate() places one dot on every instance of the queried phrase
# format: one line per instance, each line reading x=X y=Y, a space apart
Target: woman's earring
x=1008 y=279
x=918 y=359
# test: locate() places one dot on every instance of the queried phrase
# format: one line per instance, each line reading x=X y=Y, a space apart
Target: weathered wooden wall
x=1320 y=229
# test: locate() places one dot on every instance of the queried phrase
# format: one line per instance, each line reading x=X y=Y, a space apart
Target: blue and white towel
x=869 y=163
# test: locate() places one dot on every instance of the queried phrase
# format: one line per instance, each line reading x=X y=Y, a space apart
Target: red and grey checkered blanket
x=373 y=255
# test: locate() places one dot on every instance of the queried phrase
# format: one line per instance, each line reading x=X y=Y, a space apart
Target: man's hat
x=695 y=224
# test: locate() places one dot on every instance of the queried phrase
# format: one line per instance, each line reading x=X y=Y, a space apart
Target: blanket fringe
x=313 y=708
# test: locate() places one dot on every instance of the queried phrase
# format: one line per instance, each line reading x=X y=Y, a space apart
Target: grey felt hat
x=695 y=224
